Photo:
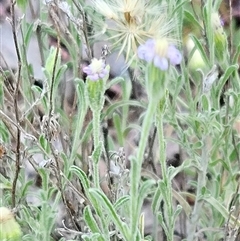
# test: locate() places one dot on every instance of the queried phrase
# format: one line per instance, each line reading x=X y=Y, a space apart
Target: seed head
x=130 y=22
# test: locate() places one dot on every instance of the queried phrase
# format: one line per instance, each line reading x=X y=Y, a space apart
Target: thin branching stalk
x=40 y=44
x=150 y=160
x=75 y=190
x=61 y=187
x=8 y=122
x=8 y=68
x=230 y=28
x=16 y=109
x=84 y=30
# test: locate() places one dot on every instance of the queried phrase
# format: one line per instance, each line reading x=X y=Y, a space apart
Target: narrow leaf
x=121 y=201
x=82 y=176
x=110 y=210
x=200 y=48
x=90 y=221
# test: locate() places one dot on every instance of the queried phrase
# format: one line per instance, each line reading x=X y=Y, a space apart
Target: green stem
x=137 y=164
x=96 y=143
x=201 y=182
x=96 y=175
x=167 y=198
x=162 y=145
x=155 y=87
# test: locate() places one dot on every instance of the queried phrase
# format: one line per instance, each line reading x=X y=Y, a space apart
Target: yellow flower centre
x=161 y=47
x=96 y=65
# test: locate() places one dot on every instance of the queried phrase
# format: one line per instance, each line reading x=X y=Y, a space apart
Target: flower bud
x=95 y=94
x=196 y=61
x=9 y=228
x=220 y=38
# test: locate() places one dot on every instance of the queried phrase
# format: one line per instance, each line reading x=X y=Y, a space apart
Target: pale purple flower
x=160 y=62
x=174 y=55
x=96 y=70
x=222 y=22
x=160 y=53
x=146 y=52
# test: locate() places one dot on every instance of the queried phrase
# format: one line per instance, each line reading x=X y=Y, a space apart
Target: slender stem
x=135 y=172
x=96 y=175
x=155 y=86
x=231 y=27
x=200 y=184
x=16 y=109
x=165 y=176
x=162 y=146
x=96 y=143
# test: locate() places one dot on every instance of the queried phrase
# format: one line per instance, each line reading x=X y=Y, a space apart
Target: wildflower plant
x=158 y=54
x=151 y=155
x=97 y=75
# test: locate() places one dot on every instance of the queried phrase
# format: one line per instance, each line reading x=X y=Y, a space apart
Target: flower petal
x=141 y=51
x=150 y=43
x=103 y=73
x=161 y=63
x=147 y=50
x=174 y=55
x=93 y=77
x=87 y=70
